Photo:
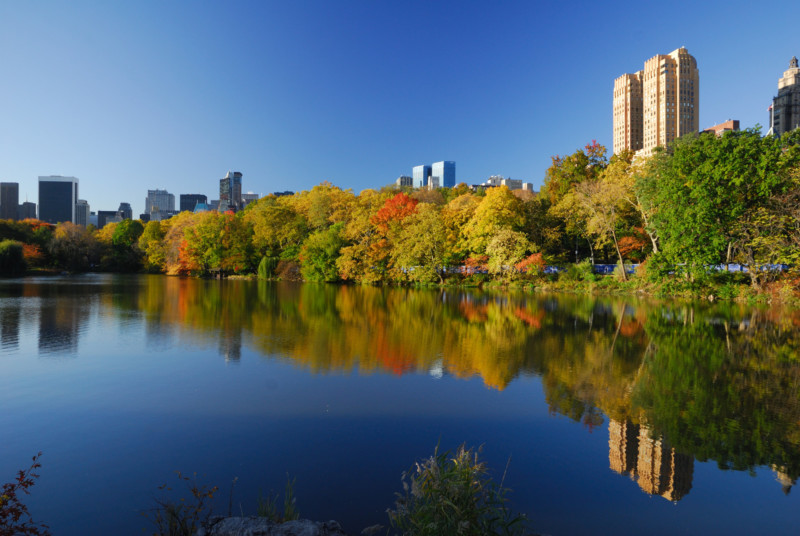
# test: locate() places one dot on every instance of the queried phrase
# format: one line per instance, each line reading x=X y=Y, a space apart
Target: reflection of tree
x=710 y=382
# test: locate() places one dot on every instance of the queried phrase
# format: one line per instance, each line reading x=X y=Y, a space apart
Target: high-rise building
x=190 y=201
x=665 y=95
x=421 y=175
x=230 y=192
x=628 y=123
x=125 y=211
x=404 y=180
x=26 y=210
x=443 y=175
x=249 y=197
x=784 y=114
x=104 y=217
x=9 y=200
x=159 y=200
x=83 y=213
x=58 y=197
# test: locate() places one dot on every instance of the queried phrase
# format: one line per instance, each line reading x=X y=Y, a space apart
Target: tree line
x=704 y=201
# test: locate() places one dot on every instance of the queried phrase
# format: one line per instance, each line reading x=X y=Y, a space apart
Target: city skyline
x=142 y=96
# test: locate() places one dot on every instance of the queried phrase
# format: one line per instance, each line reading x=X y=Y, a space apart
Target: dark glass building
x=57 y=199
x=26 y=210
x=190 y=201
x=230 y=192
x=9 y=200
x=125 y=211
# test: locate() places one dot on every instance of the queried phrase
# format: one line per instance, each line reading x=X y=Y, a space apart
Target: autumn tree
x=500 y=209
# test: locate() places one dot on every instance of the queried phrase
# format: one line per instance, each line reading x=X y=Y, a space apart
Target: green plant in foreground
x=14 y=516
x=183 y=517
x=453 y=493
x=268 y=506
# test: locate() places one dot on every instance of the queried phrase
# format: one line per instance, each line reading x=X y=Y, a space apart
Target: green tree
x=420 y=247
x=506 y=249
x=500 y=209
x=12 y=262
x=319 y=254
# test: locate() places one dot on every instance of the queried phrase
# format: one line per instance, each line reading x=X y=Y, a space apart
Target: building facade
x=26 y=210
x=159 y=200
x=58 y=197
x=443 y=175
x=784 y=114
x=104 y=217
x=83 y=213
x=420 y=176
x=249 y=197
x=404 y=180
x=230 y=192
x=731 y=125
x=125 y=211
x=9 y=200
x=190 y=201
x=658 y=104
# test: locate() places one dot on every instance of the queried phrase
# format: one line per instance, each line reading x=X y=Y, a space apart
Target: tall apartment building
x=9 y=200
x=784 y=114
x=58 y=197
x=26 y=210
x=658 y=104
x=190 y=201
x=230 y=192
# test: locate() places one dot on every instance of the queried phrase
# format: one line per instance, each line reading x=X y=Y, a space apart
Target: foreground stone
x=260 y=526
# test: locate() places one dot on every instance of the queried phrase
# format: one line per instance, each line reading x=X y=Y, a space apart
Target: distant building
x=281 y=194
x=404 y=180
x=498 y=180
x=159 y=204
x=421 y=175
x=83 y=214
x=190 y=201
x=26 y=210
x=202 y=207
x=159 y=200
x=145 y=218
x=248 y=198
x=731 y=125
x=58 y=197
x=784 y=114
x=230 y=192
x=443 y=175
x=213 y=204
x=9 y=200
x=125 y=211
x=93 y=218
x=104 y=217
x=658 y=104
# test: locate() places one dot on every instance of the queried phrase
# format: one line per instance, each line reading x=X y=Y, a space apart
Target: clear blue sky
x=130 y=96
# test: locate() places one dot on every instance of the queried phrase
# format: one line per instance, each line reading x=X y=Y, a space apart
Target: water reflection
x=676 y=383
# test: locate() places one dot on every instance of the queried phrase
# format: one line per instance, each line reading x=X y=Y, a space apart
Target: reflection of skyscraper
x=658 y=468
x=230 y=345
x=784 y=479
x=9 y=327
x=60 y=319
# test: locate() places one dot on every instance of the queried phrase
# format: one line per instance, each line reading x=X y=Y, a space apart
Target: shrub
x=582 y=271
x=452 y=493
x=268 y=506
x=266 y=268
x=14 y=516
x=12 y=260
x=183 y=517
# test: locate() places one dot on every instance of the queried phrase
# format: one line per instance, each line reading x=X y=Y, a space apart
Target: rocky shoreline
x=261 y=526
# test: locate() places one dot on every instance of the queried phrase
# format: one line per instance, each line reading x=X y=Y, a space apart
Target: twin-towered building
x=438 y=175
x=658 y=104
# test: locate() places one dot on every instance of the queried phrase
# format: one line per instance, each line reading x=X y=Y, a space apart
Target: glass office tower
x=421 y=175
x=58 y=197
x=443 y=174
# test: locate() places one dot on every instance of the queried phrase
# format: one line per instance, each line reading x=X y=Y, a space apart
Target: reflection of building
x=58 y=197
x=60 y=321
x=657 y=468
x=230 y=345
x=9 y=327
x=784 y=479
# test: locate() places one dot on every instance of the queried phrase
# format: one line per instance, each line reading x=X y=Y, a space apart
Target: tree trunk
x=619 y=254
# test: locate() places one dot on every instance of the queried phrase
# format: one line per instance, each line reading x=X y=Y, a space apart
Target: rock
x=261 y=526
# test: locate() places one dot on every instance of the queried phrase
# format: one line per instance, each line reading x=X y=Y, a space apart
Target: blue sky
x=130 y=96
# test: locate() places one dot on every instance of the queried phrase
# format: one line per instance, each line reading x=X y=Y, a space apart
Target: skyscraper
x=125 y=211
x=190 y=201
x=82 y=212
x=9 y=200
x=159 y=200
x=26 y=210
x=421 y=175
x=58 y=197
x=658 y=104
x=784 y=114
x=230 y=192
x=443 y=174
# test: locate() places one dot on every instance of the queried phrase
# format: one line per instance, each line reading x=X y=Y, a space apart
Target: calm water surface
x=620 y=417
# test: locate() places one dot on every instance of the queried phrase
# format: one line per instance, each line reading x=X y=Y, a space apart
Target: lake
x=618 y=416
